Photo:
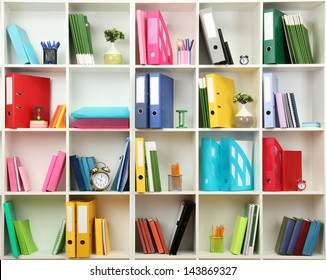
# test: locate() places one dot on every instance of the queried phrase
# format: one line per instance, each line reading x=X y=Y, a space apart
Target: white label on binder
x=154 y=96
x=140 y=90
x=140 y=153
x=268 y=26
x=82 y=219
x=210 y=90
x=210 y=25
x=69 y=219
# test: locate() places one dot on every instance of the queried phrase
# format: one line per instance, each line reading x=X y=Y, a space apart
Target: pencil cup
x=175 y=182
x=49 y=56
x=184 y=57
x=216 y=244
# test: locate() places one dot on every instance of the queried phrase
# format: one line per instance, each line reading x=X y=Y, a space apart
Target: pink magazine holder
x=159 y=49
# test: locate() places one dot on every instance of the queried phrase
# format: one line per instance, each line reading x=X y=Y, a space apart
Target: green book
x=238 y=235
x=254 y=228
x=155 y=171
x=60 y=239
x=25 y=238
x=281 y=234
x=10 y=217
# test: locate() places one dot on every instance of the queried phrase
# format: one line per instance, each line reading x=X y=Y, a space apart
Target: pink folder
x=141 y=17
x=11 y=175
x=49 y=173
x=24 y=177
x=159 y=50
x=57 y=172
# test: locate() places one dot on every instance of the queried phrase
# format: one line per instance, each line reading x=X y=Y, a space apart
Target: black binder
x=181 y=224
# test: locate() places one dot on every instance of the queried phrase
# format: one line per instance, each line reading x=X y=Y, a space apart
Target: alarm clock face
x=100 y=180
x=301 y=185
x=244 y=59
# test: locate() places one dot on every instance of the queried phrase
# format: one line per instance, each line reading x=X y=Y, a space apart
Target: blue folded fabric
x=101 y=112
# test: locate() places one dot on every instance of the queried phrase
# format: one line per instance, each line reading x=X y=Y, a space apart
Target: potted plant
x=244 y=117
x=113 y=56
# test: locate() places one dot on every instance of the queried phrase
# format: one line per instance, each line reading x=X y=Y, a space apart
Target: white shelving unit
x=104 y=85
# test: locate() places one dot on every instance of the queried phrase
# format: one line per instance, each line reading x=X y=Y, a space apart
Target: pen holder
x=216 y=244
x=175 y=182
x=184 y=57
x=50 y=56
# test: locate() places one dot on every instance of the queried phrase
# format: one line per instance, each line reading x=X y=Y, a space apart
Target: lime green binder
x=10 y=216
x=274 y=42
x=238 y=235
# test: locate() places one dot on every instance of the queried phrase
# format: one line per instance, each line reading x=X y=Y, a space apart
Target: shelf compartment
x=45 y=214
x=34 y=153
x=185 y=92
x=38 y=20
x=311 y=144
x=107 y=147
x=241 y=35
x=167 y=219
x=103 y=16
x=222 y=209
x=116 y=210
x=240 y=136
x=246 y=80
x=279 y=205
x=181 y=150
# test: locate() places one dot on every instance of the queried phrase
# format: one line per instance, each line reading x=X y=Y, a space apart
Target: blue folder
x=270 y=88
x=142 y=101
x=161 y=94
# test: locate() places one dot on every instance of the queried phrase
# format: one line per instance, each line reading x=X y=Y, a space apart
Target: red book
x=302 y=238
x=23 y=94
x=148 y=236
x=156 y=236
x=141 y=235
x=291 y=170
x=272 y=165
x=160 y=233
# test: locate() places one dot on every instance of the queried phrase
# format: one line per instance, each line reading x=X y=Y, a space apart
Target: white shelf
x=114 y=85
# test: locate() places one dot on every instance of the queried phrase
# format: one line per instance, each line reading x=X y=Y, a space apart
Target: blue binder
x=270 y=87
x=161 y=95
x=236 y=172
x=142 y=101
x=210 y=162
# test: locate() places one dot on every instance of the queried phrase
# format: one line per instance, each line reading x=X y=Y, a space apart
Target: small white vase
x=244 y=118
x=112 y=56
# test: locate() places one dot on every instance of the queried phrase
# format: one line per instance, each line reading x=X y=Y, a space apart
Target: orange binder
x=221 y=108
x=60 y=123
x=272 y=164
x=71 y=229
x=159 y=49
x=86 y=211
x=160 y=233
x=141 y=235
x=55 y=116
x=23 y=93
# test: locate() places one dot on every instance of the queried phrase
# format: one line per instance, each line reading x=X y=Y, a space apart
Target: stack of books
x=17 y=175
x=297 y=236
x=245 y=231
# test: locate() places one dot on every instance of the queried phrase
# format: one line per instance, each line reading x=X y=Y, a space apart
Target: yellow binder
x=99 y=248
x=102 y=242
x=222 y=109
x=86 y=211
x=106 y=239
x=140 y=165
x=71 y=229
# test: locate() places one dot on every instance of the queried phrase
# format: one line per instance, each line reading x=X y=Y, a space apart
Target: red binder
x=159 y=49
x=291 y=170
x=23 y=93
x=272 y=165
